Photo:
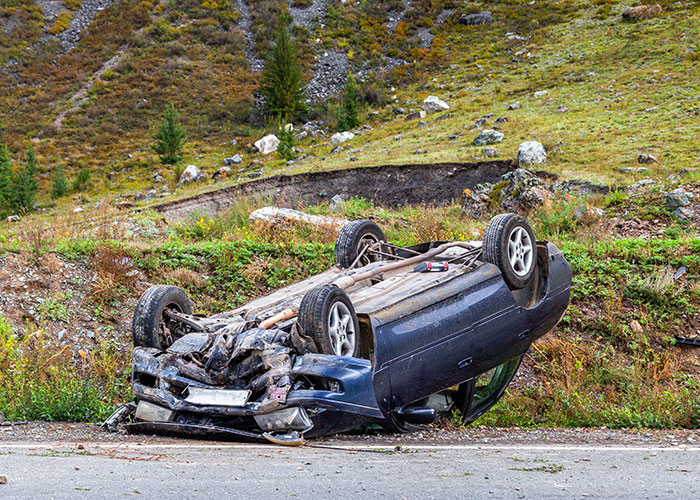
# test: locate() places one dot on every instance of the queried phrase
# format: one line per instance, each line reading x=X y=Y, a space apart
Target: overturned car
x=390 y=335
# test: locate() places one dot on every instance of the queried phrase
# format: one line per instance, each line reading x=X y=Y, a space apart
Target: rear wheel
x=509 y=243
x=327 y=315
x=353 y=237
x=151 y=326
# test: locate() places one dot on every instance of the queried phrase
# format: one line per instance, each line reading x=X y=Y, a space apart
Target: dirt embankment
x=391 y=185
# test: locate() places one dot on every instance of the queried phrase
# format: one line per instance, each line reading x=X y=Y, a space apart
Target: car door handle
x=523 y=335
x=465 y=362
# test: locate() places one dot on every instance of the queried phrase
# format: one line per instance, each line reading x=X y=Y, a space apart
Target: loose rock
x=642 y=12
x=683 y=213
x=515 y=105
x=678 y=198
x=340 y=137
x=646 y=158
x=491 y=153
x=531 y=153
x=233 y=160
x=484 y=17
x=433 y=104
x=488 y=136
x=267 y=144
x=221 y=172
x=416 y=115
x=191 y=174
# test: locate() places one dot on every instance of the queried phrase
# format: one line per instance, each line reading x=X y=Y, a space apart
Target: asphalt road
x=346 y=470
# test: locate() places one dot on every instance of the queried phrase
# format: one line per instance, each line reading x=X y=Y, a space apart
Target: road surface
x=347 y=469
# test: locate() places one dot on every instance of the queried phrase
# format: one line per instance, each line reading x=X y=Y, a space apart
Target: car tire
x=327 y=315
x=147 y=327
x=351 y=239
x=510 y=244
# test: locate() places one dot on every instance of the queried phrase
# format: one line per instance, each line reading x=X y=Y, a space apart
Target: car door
x=449 y=342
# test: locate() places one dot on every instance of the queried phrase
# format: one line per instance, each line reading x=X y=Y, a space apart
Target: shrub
x=61 y=23
x=348 y=112
x=81 y=179
x=59 y=184
x=6 y=191
x=26 y=182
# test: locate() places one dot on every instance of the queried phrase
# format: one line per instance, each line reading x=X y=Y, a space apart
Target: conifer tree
x=26 y=182
x=281 y=83
x=59 y=184
x=348 y=112
x=170 y=137
x=6 y=184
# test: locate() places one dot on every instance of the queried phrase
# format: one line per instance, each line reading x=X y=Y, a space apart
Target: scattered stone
x=641 y=184
x=480 y=122
x=562 y=109
x=336 y=203
x=301 y=135
x=642 y=12
x=484 y=17
x=191 y=174
x=491 y=153
x=233 y=160
x=531 y=153
x=501 y=119
x=636 y=327
x=683 y=213
x=399 y=111
x=634 y=170
x=318 y=133
x=678 y=198
x=418 y=152
x=255 y=174
x=340 y=137
x=398 y=137
x=78 y=210
x=515 y=105
x=337 y=149
x=443 y=116
x=540 y=93
x=646 y=159
x=585 y=211
x=267 y=144
x=221 y=172
x=416 y=115
x=488 y=136
x=158 y=179
x=13 y=218
x=422 y=124
x=281 y=215
x=433 y=104
x=289 y=127
x=454 y=136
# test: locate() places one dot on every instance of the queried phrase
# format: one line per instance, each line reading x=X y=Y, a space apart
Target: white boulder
x=276 y=214
x=531 y=153
x=432 y=104
x=339 y=137
x=268 y=144
x=191 y=174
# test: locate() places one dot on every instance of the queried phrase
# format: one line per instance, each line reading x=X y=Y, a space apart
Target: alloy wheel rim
x=520 y=251
x=341 y=329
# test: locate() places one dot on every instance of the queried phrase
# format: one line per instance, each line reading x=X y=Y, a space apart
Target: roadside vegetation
x=611 y=361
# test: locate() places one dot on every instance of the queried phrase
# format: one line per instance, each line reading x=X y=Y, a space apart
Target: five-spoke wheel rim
x=341 y=329
x=520 y=251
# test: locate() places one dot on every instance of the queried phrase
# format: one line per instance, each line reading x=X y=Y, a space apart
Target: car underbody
x=421 y=344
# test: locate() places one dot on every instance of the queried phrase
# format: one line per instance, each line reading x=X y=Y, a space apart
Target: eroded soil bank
x=392 y=185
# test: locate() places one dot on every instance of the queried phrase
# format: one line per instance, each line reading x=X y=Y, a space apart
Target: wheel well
x=366 y=337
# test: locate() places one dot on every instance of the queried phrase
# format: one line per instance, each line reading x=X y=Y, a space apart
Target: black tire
x=502 y=231
x=350 y=242
x=149 y=323
x=316 y=316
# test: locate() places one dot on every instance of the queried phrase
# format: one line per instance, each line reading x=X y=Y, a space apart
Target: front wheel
x=327 y=315
x=151 y=326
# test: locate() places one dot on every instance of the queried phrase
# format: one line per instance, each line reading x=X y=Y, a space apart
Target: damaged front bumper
x=323 y=387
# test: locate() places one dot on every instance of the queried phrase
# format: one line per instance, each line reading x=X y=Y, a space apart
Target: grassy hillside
x=615 y=88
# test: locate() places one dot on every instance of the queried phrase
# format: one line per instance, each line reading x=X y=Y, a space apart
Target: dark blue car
x=390 y=335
